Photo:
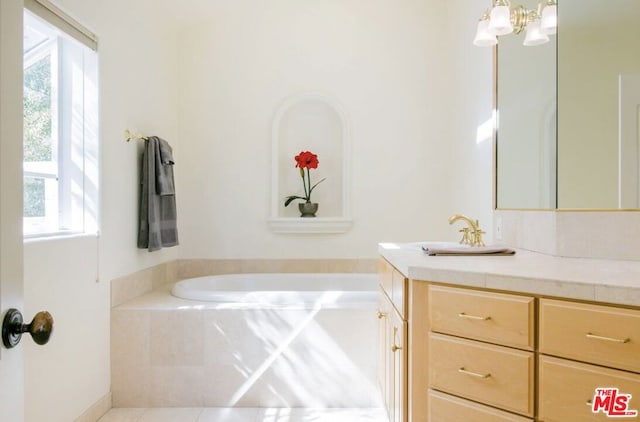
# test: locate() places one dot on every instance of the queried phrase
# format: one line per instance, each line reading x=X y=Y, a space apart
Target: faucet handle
x=466 y=236
x=477 y=237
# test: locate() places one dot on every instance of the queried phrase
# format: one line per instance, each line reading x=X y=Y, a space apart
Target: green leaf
x=291 y=199
x=314 y=186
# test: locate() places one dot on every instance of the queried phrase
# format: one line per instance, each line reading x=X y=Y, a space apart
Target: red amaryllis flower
x=307 y=160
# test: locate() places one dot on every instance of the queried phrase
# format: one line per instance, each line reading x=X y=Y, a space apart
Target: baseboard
x=97 y=410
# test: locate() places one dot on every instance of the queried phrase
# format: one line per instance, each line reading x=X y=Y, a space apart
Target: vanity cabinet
x=392 y=331
x=451 y=353
x=474 y=354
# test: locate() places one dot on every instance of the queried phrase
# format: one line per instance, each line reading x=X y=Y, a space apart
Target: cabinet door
x=398 y=365
x=384 y=345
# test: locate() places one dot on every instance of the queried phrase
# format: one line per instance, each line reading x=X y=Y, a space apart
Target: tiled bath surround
x=133 y=285
x=169 y=352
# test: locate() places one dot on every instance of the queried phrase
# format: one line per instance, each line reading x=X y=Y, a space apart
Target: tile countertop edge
x=598 y=280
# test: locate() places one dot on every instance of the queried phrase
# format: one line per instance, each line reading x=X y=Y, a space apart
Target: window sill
x=43 y=237
x=320 y=225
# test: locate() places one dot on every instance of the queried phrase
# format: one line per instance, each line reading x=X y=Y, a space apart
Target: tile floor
x=194 y=414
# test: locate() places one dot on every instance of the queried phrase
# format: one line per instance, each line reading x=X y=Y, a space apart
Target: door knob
x=13 y=327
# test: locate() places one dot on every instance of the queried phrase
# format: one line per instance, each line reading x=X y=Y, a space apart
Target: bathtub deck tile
x=244 y=414
x=239 y=414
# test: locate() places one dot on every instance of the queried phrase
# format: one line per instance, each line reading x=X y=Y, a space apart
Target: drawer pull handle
x=589 y=403
x=381 y=314
x=479 y=318
x=395 y=348
x=614 y=340
x=473 y=374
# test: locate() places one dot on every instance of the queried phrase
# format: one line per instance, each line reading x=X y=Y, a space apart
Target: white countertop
x=600 y=280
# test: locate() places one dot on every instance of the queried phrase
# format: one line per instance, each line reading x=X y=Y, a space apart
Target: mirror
x=598 y=103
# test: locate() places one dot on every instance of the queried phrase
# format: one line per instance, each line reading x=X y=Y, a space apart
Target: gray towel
x=164 y=168
x=158 y=217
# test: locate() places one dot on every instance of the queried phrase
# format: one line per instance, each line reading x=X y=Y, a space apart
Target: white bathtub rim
x=298 y=290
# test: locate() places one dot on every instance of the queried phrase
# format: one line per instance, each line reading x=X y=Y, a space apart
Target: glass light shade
x=483 y=37
x=500 y=22
x=549 y=19
x=534 y=35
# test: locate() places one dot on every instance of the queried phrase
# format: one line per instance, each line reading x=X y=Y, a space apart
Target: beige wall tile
x=176 y=338
x=130 y=357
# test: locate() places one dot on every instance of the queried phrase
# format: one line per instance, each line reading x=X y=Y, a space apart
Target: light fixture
x=504 y=19
x=500 y=18
x=483 y=37
x=549 y=17
x=534 y=35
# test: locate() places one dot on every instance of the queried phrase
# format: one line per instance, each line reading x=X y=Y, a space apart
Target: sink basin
x=435 y=245
x=450 y=248
x=417 y=246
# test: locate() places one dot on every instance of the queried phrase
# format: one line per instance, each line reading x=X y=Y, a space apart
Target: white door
x=629 y=139
x=11 y=291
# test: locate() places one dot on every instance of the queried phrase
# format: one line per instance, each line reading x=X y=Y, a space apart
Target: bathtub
x=306 y=290
x=249 y=340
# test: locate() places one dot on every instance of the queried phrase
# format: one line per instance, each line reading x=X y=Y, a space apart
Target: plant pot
x=308 y=209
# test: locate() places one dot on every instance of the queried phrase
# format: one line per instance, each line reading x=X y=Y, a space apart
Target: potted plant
x=306 y=160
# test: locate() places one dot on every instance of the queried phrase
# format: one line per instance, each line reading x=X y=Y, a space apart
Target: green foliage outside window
x=33 y=197
x=37 y=111
x=37 y=131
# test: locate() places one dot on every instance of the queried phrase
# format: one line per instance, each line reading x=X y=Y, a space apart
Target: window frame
x=74 y=139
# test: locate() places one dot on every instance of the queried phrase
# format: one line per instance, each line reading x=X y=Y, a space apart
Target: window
x=60 y=160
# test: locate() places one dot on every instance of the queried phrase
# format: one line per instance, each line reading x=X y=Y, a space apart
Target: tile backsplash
x=578 y=234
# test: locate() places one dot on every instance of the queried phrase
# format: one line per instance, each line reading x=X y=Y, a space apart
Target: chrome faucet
x=471 y=235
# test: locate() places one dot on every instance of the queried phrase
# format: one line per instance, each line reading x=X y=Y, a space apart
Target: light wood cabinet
x=384 y=368
x=470 y=354
x=392 y=352
x=398 y=364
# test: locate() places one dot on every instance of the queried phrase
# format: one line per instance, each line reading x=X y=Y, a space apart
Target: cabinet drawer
x=446 y=408
x=567 y=389
x=598 y=334
x=495 y=375
x=398 y=295
x=493 y=317
x=385 y=274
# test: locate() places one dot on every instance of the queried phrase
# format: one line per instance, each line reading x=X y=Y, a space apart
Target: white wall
x=212 y=89
x=471 y=159
x=138 y=91
x=383 y=61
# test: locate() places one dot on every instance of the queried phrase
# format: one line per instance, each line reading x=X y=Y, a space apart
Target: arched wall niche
x=317 y=123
